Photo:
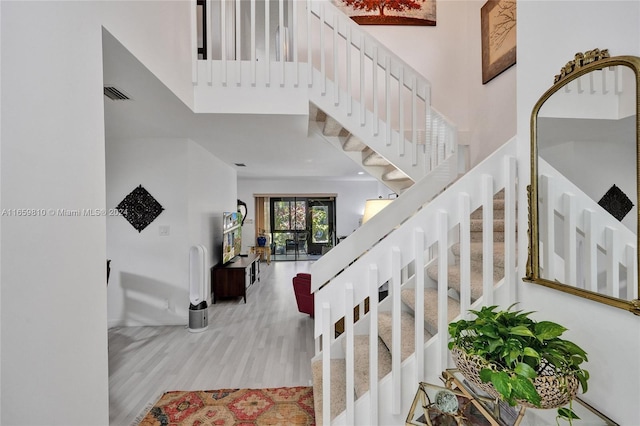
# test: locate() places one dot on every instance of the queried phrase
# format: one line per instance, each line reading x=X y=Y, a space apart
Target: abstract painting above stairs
x=390 y=12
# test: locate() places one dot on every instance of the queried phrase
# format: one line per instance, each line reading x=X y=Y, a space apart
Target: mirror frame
x=582 y=64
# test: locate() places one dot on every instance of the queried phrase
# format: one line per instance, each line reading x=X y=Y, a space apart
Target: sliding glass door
x=301 y=227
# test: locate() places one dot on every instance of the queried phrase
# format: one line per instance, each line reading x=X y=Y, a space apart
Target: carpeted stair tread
x=361 y=361
x=407 y=338
x=476 y=225
x=354 y=144
x=338 y=388
x=408 y=297
x=498 y=211
x=498 y=237
x=476 y=254
x=454 y=278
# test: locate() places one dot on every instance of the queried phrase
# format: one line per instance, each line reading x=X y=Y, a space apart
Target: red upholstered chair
x=302 y=290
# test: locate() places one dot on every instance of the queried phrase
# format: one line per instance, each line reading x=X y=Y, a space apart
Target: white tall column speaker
x=199 y=289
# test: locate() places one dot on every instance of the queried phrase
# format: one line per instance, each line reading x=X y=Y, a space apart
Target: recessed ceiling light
x=360 y=173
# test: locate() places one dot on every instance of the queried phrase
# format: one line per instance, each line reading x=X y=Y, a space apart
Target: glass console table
x=458 y=402
x=263 y=251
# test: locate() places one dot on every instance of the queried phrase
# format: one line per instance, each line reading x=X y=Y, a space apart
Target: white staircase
x=435 y=255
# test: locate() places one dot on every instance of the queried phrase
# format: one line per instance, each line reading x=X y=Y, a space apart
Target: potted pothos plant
x=513 y=357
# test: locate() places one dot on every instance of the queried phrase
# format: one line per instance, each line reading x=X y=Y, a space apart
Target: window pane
x=282 y=217
x=301 y=216
x=320 y=224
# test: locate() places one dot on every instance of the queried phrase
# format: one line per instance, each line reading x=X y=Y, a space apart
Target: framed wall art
x=389 y=12
x=498 y=22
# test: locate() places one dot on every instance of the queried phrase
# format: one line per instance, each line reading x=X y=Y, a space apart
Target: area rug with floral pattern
x=241 y=407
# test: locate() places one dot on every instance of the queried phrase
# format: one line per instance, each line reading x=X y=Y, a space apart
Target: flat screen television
x=231 y=236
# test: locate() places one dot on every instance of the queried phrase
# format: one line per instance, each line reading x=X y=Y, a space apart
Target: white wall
x=449 y=55
x=549 y=34
x=350 y=199
x=149 y=282
x=149 y=272
x=54 y=313
x=212 y=191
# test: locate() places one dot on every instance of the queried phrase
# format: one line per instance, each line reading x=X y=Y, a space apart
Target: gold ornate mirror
x=583 y=197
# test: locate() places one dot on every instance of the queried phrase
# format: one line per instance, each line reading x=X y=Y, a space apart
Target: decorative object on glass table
x=438 y=406
x=262 y=238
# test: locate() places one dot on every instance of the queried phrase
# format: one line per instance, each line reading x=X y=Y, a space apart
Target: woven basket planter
x=555 y=391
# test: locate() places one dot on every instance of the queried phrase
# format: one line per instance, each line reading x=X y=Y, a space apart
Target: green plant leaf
x=521 y=330
x=502 y=382
x=583 y=377
x=547 y=330
x=489 y=331
x=528 y=351
x=566 y=413
x=525 y=370
x=523 y=389
x=485 y=375
x=574 y=349
x=495 y=344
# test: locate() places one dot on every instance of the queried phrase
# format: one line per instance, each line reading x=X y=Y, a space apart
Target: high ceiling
x=271 y=146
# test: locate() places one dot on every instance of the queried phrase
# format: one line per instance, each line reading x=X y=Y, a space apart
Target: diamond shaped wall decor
x=616 y=202
x=140 y=208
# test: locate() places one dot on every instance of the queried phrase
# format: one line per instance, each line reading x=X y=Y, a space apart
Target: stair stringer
x=414 y=160
x=357 y=157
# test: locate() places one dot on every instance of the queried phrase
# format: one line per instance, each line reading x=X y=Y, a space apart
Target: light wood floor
x=265 y=343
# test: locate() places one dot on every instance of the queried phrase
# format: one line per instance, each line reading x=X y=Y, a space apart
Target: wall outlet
x=164 y=230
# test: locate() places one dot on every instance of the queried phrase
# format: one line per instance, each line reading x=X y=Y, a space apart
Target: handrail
x=374 y=230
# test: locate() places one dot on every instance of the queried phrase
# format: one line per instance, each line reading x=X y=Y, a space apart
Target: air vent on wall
x=115 y=94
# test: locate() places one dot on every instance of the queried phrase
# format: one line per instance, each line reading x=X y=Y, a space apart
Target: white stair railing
x=424 y=238
x=592 y=238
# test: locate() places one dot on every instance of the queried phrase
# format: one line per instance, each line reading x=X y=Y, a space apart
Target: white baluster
x=464 y=207
x=267 y=45
x=591 y=243
x=223 y=40
x=443 y=287
x=510 y=223
x=396 y=353
x=349 y=354
x=326 y=364
x=401 y=91
x=374 y=88
x=349 y=77
x=209 y=41
x=418 y=236
x=569 y=235
x=387 y=100
x=363 y=110
x=612 y=261
x=373 y=343
x=253 y=42
x=487 y=239
x=414 y=120
x=194 y=44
